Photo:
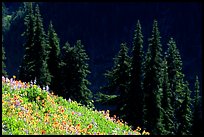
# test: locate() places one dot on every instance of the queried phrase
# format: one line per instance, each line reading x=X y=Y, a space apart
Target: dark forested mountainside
x=103 y=26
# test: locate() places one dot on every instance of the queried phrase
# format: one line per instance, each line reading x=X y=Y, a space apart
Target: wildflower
x=138 y=128
x=78 y=126
x=118 y=121
x=65 y=116
x=72 y=112
x=17 y=103
x=38 y=98
x=84 y=130
x=12 y=106
x=43 y=132
x=53 y=119
x=61 y=127
x=3 y=78
x=46 y=114
x=14 y=76
x=70 y=121
x=69 y=100
x=26 y=131
x=29 y=105
x=15 y=97
x=63 y=122
x=47 y=88
x=90 y=126
x=35 y=81
x=46 y=119
x=79 y=114
x=114 y=116
x=7 y=80
x=62 y=111
x=20 y=114
x=31 y=83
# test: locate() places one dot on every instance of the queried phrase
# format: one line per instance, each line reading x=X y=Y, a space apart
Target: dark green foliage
x=135 y=103
x=40 y=52
x=153 y=84
x=175 y=79
x=118 y=81
x=168 y=113
x=196 y=111
x=67 y=56
x=34 y=64
x=26 y=71
x=6 y=19
x=4 y=73
x=74 y=72
x=54 y=58
x=185 y=116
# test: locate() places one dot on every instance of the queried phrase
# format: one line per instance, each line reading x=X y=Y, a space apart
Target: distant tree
x=6 y=19
x=176 y=79
x=40 y=52
x=54 y=58
x=196 y=109
x=168 y=113
x=117 y=83
x=185 y=116
x=34 y=64
x=26 y=70
x=4 y=73
x=74 y=72
x=135 y=103
x=153 y=83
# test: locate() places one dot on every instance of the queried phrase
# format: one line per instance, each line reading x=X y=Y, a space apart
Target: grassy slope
x=27 y=109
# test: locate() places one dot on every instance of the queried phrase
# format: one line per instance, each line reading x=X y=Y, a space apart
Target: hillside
x=28 y=109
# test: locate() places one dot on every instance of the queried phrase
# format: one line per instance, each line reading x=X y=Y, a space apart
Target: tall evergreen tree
x=40 y=52
x=68 y=59
x=196 y=109
x=54 y=58
x=185 y=116
x=26 y=70
x=118 y=82
x=74 y=73
x=153 y=83
x=168 y=113
x=176 y=79
x=136 y=96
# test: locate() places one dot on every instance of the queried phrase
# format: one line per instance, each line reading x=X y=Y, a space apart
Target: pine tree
x=136 y=96
x=118 y=82
x=4 y=73
x=54 y=58
x=185 y=116
x=26 y=70
x=74 y=73
x=196 y=106
x=168 y=113
x=175 y=79
x=153 y=83
x=68 y=60
x=40 y=52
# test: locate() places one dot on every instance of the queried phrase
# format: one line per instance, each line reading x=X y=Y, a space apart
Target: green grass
x=28 y=110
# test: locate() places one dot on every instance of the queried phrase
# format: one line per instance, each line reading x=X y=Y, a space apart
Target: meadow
x=29 y=110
